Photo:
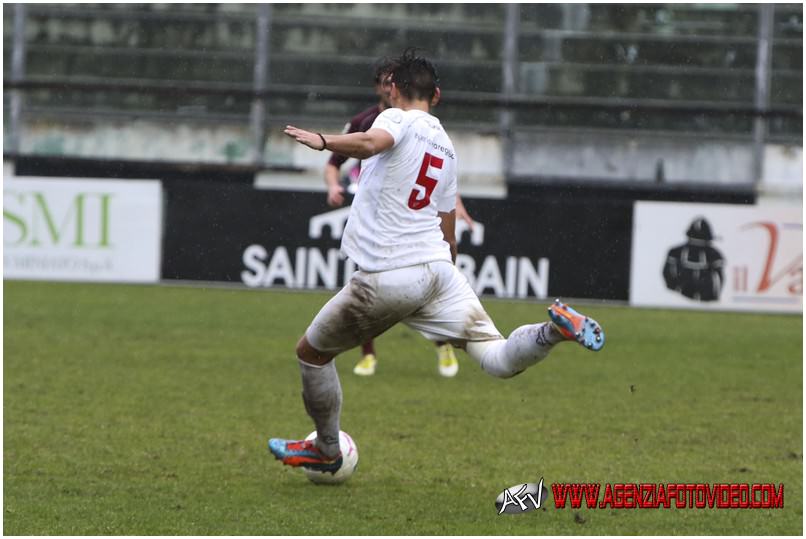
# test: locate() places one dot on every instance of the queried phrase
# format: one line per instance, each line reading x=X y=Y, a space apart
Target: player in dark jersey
x=361 y=122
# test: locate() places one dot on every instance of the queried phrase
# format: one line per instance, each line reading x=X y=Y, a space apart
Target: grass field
x=145 y=410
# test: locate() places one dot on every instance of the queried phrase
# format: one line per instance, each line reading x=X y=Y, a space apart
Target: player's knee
x=309 y=354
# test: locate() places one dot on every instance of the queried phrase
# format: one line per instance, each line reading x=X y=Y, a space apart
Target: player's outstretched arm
x=358 y=145
x=307 y=138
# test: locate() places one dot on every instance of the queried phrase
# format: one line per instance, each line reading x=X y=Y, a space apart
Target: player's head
x=381 y=71
x=415 y=77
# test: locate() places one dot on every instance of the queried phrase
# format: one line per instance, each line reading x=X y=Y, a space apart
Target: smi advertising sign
x=82 y=230
x=716 y=256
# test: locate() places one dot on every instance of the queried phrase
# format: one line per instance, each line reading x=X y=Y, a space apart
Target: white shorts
x=433 y=298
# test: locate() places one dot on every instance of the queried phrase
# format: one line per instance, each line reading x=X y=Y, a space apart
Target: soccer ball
x=349 y=454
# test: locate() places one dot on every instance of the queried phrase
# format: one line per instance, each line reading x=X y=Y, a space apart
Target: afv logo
x=521 y=498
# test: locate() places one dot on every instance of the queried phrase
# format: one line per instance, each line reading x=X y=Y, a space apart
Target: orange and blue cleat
x=577 y=327
x=303 y=453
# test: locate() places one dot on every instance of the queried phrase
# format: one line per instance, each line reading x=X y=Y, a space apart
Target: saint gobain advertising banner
x=518 y=248
x=715 y=256
x=82 y=230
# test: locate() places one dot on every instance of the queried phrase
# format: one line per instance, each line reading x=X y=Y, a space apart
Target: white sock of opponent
x=526 y=346
x=321 y=393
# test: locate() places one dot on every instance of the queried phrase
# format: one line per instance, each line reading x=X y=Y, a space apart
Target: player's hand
x=309 y=139
x=461 y=213
x=335 y=196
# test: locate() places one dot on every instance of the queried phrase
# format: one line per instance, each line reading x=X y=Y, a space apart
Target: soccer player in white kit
x=400 y=234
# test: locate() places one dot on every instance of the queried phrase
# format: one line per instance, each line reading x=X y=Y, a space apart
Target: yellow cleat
x=366 y=367
x=448 y=365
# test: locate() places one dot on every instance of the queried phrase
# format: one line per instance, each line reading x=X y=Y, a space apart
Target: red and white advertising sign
x=717 y=256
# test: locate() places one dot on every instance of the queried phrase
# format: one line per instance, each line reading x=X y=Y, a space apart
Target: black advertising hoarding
x=521 y=247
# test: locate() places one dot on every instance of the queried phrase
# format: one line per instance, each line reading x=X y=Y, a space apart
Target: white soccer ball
x=349 y=454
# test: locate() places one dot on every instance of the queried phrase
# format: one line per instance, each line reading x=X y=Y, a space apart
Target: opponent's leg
x=447 y=363
x=366 y=365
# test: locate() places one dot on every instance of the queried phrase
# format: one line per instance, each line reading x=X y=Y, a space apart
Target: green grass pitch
x=145 y=410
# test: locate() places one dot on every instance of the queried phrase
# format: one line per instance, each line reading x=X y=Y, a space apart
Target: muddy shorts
x=433 y=298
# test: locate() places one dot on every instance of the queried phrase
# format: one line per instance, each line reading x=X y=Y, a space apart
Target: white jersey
x=393 y=219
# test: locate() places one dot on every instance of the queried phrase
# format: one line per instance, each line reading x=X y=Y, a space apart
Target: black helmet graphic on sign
x=695 y=269
x=700 y=230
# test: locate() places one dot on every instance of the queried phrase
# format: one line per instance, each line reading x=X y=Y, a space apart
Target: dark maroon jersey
x=361 y=122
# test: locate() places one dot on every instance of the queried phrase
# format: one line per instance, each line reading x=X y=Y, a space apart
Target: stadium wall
x=570 y=153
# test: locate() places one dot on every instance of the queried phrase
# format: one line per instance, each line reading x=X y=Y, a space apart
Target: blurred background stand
x=585 y=95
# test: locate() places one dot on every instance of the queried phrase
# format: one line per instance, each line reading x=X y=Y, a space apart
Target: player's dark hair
x=382 y=67
x=415 y=76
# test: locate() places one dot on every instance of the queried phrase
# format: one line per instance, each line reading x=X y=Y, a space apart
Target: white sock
x=321 y=393
x=526 y=346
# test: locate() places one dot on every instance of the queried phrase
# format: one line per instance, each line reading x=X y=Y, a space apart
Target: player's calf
x=530 y=344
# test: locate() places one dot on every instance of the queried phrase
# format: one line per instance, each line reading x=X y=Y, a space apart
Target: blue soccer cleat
x=577 y=327
x=303 y=453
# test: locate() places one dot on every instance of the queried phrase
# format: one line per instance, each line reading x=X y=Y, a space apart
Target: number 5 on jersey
x=426 y=182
